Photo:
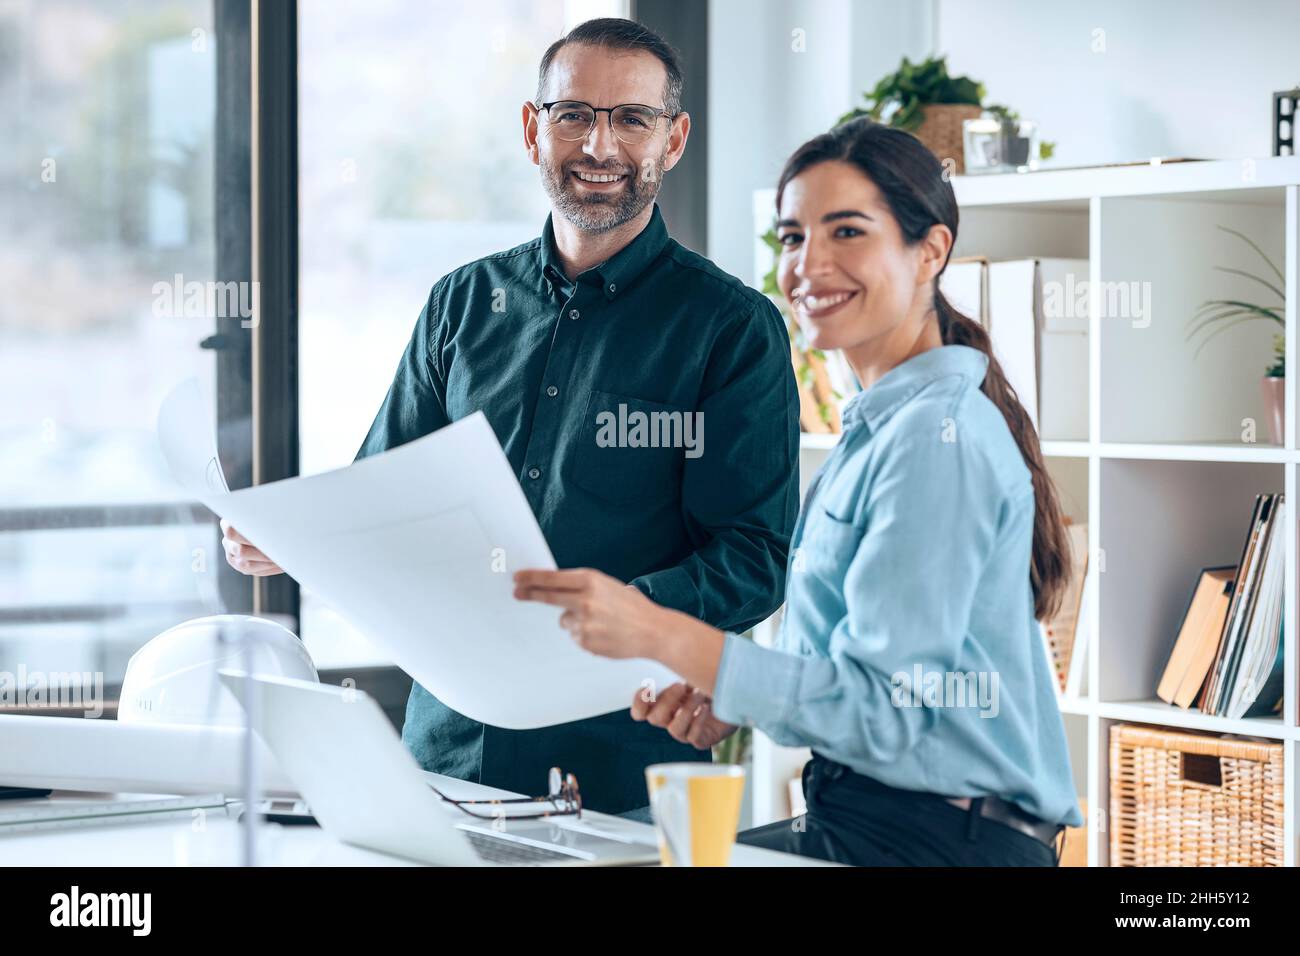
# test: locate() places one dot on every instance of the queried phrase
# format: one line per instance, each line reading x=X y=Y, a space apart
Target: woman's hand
x=685 y=712
x=613 y=619
x=604 y=615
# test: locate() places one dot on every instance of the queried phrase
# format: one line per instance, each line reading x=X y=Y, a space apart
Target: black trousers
x=860 y=821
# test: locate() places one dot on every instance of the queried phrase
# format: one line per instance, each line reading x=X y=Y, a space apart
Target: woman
x=909 y=658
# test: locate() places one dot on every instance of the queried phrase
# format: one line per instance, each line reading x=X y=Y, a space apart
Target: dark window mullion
x=275 y=219
x=233 y=222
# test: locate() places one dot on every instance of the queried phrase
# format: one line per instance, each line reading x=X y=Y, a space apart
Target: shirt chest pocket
x=630 y=449
x=827 y=545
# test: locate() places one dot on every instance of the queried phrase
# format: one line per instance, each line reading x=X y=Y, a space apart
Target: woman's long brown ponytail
x=1050 y=567
x=919 y=194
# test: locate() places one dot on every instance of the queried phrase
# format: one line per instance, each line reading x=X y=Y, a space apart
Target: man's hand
x=686 y=713
x=243 y=556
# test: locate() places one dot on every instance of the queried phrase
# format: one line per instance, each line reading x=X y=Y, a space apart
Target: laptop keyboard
x=496 y=849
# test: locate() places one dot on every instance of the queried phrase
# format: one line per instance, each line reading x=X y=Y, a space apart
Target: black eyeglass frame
x=564 y=800
x=597 y=110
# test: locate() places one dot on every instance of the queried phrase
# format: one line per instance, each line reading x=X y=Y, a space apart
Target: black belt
x=1005 y=812
x=992 y=808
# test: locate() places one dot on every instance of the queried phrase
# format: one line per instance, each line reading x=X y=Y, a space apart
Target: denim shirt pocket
x=828 y=544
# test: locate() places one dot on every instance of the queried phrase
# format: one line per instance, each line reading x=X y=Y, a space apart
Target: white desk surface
x=177 y=842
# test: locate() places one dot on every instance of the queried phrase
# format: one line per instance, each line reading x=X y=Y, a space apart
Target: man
x=584 y=348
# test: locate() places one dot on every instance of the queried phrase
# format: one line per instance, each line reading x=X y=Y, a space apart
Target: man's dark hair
x=614 y=33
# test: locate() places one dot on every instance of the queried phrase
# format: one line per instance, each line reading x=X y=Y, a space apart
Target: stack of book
x=1228 y=655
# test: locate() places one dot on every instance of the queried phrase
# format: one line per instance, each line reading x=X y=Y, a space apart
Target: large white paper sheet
x=416 y=548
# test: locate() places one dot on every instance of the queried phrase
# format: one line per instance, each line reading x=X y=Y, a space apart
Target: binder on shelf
x=1061 y=299
x=1269 y=699
x=1233 y=647
x=964 y=284
x=1013 y=326
x=1253 y=662
x=1036 y=312
x=1242 y=601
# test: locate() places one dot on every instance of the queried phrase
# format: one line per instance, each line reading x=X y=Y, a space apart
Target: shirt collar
x=873 y=406
x=620 y=270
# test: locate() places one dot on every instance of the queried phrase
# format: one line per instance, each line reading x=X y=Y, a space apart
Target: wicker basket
x=1184 y=799
x=940 y=130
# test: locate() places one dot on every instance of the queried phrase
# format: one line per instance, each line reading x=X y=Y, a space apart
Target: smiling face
x=853 y=281
x=600 y=182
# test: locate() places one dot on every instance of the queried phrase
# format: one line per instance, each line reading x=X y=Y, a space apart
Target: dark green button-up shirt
x=649 y=410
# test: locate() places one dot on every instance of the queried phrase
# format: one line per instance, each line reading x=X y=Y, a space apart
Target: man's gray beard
x=599 y=213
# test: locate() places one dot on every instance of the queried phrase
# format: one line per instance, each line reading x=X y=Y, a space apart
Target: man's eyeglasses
x=572 y=120
x=562 y=799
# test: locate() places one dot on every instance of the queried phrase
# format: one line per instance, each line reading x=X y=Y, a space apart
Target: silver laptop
x=365 y=788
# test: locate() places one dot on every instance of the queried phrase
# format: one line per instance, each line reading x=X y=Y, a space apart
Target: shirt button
x=612 y=287
x=573 y=313
x=534 y=473
x=552 y=391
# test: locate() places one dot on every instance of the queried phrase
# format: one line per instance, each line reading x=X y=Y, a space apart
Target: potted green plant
x=1218 y=315
x=925 y=100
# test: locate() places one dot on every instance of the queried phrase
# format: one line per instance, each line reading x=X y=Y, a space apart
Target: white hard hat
x=173 y=679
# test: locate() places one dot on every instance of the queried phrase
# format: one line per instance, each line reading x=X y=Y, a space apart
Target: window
x=116 y=200
x=411 y=162
x=106 y=187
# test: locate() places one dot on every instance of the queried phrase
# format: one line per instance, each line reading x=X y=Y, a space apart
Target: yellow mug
x=696 y=807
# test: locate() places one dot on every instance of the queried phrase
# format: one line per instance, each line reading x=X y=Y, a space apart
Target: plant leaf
x=1264 y=282
x=962 y=90
x=1222 y=328
x=1263 y=311
x=909 y=115
x=1250 y=242
x=1230 y=314
x=1205 y=323
x=1266 y=311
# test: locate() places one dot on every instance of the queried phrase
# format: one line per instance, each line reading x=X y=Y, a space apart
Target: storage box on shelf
x=1185 y=799
x=1177 y=445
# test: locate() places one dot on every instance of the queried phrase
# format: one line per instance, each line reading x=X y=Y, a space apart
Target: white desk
x=218 y=842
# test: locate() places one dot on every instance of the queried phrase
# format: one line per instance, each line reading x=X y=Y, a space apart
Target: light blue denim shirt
x=909 y=650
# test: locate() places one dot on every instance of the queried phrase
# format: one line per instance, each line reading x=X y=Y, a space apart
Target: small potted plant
x=1219 y=315
x=924 y=100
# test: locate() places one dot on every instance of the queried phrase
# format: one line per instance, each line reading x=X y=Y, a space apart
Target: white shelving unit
x=1167 y=472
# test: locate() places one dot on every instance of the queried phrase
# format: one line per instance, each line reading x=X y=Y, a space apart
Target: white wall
x=1176 y=78
x=766 y=96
